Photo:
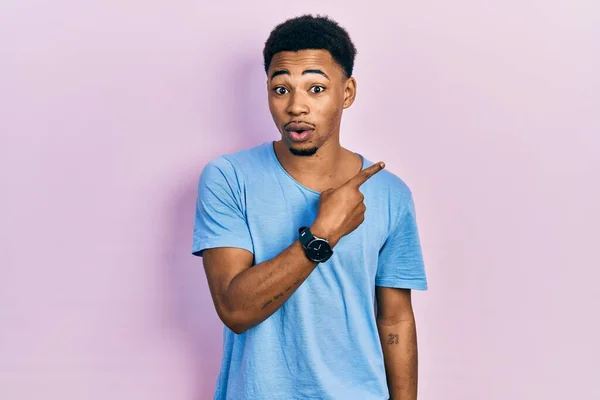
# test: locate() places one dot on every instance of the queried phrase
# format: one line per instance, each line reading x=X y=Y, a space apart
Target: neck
x=323 y=163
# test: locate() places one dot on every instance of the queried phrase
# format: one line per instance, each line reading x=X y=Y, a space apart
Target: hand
x=342 y=210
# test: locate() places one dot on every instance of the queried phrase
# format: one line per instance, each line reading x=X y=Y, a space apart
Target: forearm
x=399 y=342
x=255 y=294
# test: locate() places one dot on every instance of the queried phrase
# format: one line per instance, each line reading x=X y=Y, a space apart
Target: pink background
x=490 y=111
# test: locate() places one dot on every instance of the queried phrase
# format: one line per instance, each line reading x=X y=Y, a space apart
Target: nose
x=298 y=104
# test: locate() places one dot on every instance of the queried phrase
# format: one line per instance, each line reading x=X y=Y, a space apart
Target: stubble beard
x=311 y=151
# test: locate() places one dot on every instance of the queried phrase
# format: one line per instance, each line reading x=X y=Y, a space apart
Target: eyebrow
x=307 y=71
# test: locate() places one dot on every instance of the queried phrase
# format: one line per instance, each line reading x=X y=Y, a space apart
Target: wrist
x=323 y=232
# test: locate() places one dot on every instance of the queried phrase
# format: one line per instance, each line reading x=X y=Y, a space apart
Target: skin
x=308 y=86
x=398 y=336
x=319 y=101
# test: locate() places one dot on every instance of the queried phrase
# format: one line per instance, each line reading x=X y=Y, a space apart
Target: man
x=301 y=238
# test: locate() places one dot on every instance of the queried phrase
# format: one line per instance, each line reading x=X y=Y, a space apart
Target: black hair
x=308 y=32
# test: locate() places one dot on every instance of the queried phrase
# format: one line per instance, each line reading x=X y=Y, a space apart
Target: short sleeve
x=400 y=262
x=219 y=219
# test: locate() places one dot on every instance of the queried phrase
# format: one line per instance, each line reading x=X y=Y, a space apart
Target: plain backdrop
x=109 y=110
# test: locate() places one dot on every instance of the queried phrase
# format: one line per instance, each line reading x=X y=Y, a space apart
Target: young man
x=301 y=238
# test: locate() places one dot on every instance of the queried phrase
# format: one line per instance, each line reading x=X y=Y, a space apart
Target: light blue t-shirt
x=323 y=342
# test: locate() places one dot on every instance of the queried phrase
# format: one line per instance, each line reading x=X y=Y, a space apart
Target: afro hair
x=309 y=32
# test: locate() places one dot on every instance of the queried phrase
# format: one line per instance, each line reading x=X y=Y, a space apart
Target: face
x=308 y=91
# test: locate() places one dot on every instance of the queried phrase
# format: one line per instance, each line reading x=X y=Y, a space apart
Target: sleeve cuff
x=402 y=283
x=201 y=245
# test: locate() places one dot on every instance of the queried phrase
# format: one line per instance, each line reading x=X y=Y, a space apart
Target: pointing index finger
x=366 y=173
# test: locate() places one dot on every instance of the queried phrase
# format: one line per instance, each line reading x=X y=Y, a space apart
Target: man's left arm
x=398 y=335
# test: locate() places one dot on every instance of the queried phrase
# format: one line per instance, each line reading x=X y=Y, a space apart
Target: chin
x=303 y=151
x=300 y=149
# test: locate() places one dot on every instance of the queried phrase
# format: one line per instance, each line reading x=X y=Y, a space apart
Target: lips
x=298 y=127
x=299 y=131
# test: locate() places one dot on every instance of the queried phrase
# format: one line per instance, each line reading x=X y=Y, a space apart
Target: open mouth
x=299 y=131
x=300 y=135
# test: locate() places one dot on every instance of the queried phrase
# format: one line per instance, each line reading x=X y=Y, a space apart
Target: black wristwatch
x=317 y=249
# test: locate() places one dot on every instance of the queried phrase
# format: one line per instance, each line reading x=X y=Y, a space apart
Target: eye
x=321 y=89
x=280 y=90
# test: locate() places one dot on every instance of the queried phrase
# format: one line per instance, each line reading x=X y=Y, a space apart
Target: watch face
x=319 y=250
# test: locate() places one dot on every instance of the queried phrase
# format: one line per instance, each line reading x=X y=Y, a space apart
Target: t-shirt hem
x=201 y=245
x=402 y=284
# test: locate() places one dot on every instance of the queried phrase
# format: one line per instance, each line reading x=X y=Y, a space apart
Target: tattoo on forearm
x=267 y=303
x=281 y=294
x=393 y=339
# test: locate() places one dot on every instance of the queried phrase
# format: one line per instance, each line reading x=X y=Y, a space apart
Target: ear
x=349 y=92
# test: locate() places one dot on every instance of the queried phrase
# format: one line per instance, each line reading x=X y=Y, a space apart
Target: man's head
x=309 y=63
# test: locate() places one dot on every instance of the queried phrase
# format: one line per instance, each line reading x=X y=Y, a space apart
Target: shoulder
x=389 y=184
x=390 y=193
x=232 y=166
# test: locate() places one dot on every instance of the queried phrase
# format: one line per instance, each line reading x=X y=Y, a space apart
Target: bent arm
x=244 y=296
x=397 y=332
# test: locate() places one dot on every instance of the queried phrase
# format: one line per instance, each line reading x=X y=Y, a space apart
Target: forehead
x=297 y=61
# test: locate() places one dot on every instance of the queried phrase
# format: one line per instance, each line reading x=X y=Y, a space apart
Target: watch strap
x=306 y=236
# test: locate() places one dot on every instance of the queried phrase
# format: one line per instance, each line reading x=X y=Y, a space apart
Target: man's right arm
x=244 y=296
